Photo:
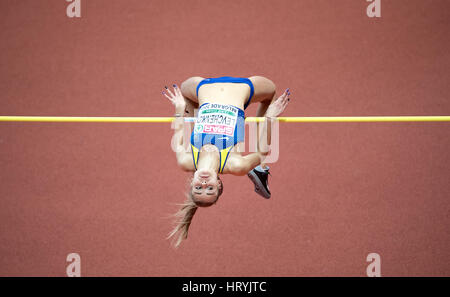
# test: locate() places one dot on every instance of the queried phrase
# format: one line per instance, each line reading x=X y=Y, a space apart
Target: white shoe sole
x=259 y=186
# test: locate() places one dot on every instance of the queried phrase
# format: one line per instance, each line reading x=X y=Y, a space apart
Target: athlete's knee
x=266 y=88
x=263 y=81
x=188 y=87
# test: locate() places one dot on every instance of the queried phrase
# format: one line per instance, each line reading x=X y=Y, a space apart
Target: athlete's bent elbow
x=184 y=162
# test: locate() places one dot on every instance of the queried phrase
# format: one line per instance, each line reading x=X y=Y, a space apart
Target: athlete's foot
x=259 y=177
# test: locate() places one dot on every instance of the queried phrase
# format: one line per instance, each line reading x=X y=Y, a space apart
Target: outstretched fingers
x=175 y=96
x=177 y=90
x=283 y=99
x=171 y=95
x=169 y=91
x=165 y=95
x=281 y=103
x=286 y=95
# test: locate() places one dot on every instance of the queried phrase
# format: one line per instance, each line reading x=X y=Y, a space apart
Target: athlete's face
x=205 y=186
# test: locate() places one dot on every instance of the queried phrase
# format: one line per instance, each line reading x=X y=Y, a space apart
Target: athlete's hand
x=175 y=97
x=277 y=107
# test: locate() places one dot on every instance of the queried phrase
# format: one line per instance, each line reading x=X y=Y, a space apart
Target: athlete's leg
x=264 y=93
x=265 y=90
x=189 y=91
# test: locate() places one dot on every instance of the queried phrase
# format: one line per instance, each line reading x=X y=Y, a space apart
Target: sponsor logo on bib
x=216 y=118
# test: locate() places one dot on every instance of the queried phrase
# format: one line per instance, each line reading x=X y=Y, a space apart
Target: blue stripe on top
x=230 y=79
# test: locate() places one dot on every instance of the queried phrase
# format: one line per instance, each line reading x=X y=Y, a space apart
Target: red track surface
x=340 y=190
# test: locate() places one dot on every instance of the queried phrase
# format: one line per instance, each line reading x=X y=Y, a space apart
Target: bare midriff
x=225 y=93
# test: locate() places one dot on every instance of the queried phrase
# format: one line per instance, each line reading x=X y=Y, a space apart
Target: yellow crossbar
x=248 y=119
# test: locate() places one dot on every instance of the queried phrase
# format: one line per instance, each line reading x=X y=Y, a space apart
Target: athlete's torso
x=222 y=125
x=221 y=119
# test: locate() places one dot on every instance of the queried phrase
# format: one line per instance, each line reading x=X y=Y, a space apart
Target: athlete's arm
x=184 y=159
x=241 y=165
x=273 y=111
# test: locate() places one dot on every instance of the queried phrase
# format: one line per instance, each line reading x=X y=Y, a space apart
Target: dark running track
x=340 y=190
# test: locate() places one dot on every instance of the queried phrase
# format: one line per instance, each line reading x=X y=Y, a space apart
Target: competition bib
x=216 y=118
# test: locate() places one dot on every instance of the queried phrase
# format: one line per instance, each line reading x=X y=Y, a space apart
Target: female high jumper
x=219 y=128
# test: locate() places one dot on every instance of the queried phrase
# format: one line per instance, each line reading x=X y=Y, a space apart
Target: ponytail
x=183 y=220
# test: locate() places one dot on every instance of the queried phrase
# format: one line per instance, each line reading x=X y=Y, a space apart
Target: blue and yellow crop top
x=222 y=125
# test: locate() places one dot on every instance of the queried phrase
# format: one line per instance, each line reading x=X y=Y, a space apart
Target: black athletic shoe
x=259 y=177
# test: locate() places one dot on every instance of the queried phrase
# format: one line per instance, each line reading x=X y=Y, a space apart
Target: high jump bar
x=248 y=119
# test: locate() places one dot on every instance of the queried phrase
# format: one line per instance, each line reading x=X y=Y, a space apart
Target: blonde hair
x=183 y=217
